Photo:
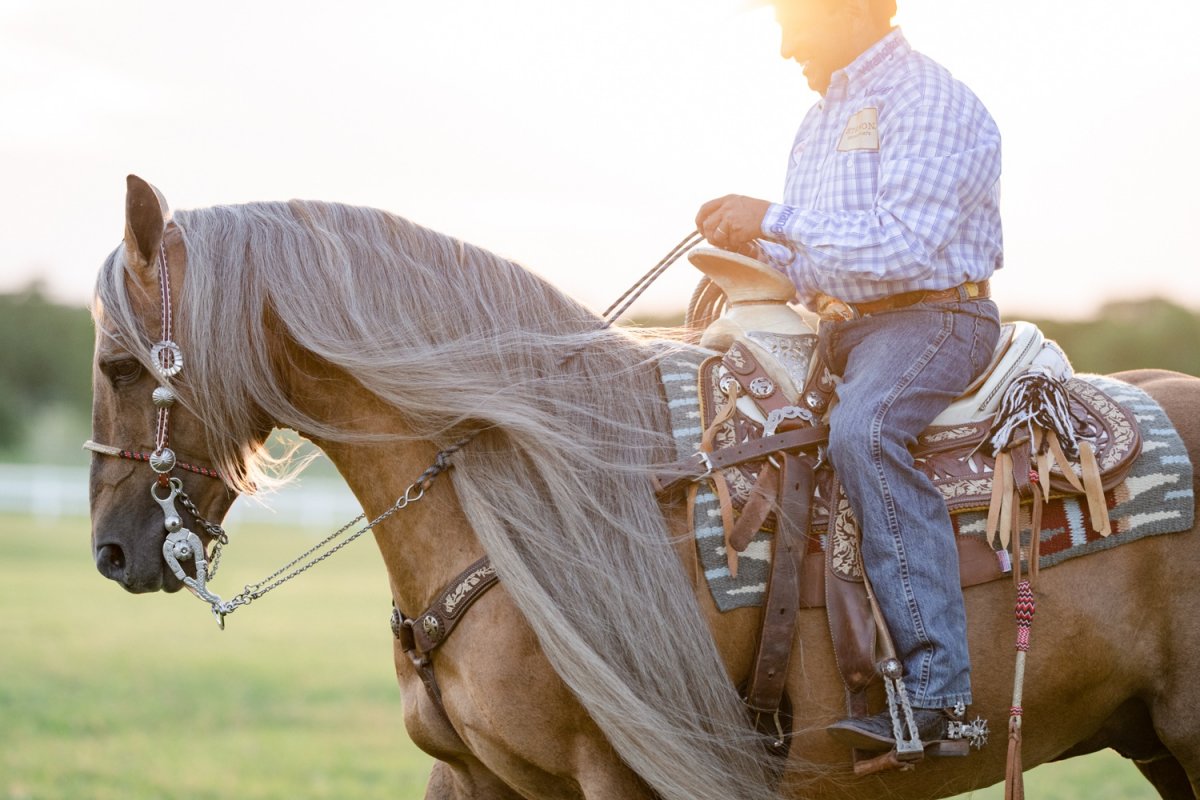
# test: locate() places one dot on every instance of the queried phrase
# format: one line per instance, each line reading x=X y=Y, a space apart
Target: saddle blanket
x=1156 y=497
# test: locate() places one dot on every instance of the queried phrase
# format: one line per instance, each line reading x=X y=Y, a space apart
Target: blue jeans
x=900 y=369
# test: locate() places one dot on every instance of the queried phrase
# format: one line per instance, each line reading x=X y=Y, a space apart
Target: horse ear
x=146 y=217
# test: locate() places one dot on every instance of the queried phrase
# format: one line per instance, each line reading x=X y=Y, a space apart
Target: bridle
x=182 y=545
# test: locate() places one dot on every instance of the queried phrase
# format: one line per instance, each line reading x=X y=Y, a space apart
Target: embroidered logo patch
x=862 y=131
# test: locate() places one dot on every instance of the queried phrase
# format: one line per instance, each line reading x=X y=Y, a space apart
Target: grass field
x=110 y=696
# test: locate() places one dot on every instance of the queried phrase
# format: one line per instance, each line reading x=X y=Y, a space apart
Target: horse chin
x=162 y=581
x=141 y=584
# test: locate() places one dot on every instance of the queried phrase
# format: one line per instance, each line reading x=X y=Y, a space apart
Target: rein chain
x=182 y=544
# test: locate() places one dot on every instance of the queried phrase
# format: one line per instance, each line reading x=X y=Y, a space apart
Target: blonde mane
x=457 y=340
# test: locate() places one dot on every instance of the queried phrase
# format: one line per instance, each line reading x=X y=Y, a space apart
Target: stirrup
x=900 y=709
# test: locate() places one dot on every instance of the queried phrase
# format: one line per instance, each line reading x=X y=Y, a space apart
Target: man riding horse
x=890 y=230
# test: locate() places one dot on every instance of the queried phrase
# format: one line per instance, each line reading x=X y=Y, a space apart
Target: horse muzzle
x=137 y=573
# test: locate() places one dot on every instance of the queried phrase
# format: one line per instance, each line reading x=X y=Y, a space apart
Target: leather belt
x=834 y=309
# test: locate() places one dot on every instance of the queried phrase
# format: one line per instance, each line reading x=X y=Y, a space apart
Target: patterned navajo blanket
x=1156 y=497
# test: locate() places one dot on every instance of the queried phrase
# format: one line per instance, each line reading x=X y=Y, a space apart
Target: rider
x=889 y=228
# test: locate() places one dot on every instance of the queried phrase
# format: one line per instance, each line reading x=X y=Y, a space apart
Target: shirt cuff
x=774 y=224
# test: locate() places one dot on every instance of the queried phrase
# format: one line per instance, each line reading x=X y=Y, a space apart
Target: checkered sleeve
x=937 y=164
x=778 y=254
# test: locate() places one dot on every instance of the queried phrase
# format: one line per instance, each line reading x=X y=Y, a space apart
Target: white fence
x=49 y=492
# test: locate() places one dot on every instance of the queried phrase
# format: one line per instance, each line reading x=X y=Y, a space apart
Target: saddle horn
x=757 y=297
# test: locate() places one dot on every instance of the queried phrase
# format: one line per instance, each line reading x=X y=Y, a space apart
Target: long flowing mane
x=457 y=340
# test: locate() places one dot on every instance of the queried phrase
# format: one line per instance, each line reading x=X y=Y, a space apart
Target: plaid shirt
x=893 y=183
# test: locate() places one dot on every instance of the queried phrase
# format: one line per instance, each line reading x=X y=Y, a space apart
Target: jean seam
x=976 y=365
x=926 y=656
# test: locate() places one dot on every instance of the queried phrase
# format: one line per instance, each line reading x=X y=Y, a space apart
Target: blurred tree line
x=1132 y=334
x=45 y=378
x=46 y=354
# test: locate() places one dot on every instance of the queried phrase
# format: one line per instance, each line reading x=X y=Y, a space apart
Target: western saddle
x=1022 y=430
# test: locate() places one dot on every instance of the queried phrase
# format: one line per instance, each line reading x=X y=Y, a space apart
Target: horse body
x=570 y=678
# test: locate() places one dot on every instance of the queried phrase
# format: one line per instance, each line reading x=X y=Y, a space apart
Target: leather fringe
x=1097 y=508
x=726 y=504
x=1014 y=778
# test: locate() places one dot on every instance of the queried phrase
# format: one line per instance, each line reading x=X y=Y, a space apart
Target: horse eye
x=127 y=370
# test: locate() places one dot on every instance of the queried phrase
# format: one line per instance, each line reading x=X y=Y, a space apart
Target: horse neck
x=428 y=542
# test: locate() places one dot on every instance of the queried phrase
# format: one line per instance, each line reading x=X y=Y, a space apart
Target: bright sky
x=579 y=138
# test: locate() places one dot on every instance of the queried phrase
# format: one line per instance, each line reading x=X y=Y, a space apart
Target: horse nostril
x=110 y=560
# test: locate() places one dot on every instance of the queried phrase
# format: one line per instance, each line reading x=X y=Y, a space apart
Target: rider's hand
x=732 y=222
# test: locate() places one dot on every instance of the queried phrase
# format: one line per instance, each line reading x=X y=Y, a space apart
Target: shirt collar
x=871 y=61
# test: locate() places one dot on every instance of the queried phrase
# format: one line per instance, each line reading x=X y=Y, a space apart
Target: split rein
x=182 y=545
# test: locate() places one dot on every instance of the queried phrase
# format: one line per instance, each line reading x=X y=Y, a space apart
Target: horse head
x=149 y=481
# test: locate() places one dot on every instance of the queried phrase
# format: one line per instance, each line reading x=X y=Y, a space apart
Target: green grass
x=106 y=695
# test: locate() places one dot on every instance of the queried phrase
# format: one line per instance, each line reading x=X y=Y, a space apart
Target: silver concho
x=162 y=461
x=432 y=628
x=815 y=401
x=891 y=669
x=163 y=397
x=167 y=358
x=762 y=387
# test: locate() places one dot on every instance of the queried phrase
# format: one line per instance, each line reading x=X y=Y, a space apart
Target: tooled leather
x=434 y=625
x=758 y=385
x=956 y=458
x=421 y=635
x=977 y=564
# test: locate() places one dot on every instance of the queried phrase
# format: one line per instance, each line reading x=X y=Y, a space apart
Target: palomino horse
x=598 y=667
